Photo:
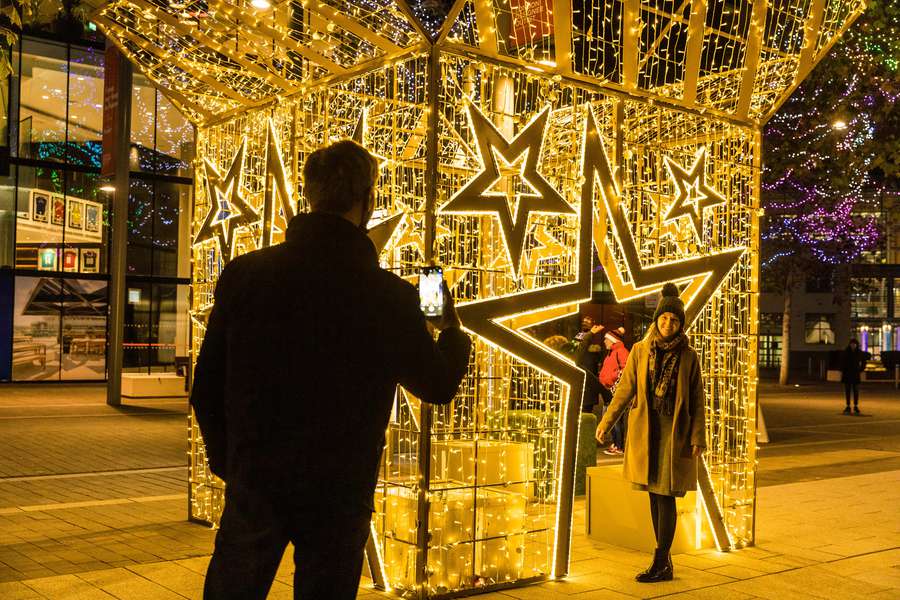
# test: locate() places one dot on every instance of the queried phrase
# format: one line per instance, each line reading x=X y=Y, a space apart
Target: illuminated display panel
x=514 y=142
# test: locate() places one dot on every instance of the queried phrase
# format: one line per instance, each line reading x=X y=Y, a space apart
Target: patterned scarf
x=663 y=369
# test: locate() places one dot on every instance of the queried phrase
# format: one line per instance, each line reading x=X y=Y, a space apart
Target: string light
x=499 y=496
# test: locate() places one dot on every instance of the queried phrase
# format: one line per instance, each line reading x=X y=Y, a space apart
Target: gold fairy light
x=516 y=138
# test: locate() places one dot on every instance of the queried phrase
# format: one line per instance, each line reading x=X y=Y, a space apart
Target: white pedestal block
x=620 y=515
x=155 y=385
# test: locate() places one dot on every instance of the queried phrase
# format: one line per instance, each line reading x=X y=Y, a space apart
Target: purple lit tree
x=832 y=148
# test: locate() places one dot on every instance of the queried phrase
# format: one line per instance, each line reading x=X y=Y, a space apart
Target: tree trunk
x=786 y=332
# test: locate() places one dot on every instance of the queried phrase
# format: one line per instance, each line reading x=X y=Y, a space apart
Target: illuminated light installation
x=694 y=194
x=576 y=118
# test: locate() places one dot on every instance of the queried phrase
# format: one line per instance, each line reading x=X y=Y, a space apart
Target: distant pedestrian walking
x=853 y=362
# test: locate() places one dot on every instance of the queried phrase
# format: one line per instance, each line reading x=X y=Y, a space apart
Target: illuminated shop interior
x=518 y=141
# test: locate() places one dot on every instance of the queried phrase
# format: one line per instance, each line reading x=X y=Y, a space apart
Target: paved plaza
x=93 y=504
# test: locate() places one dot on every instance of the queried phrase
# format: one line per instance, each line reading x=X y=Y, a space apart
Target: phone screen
x=431 y=291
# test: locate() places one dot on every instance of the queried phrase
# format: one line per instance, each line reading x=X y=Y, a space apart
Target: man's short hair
x=339 y=176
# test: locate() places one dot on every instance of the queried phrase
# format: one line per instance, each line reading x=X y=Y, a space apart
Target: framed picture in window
x=76 y=214
x=91 y=217
x=40 y=206
x=90 y=260
x=57 y=210
x=70 y=260
x=47 y=259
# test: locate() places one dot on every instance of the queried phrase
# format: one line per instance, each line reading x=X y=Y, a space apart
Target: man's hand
x=596 y=328
x=601 y=436
x=696 y=451
x=448 y=318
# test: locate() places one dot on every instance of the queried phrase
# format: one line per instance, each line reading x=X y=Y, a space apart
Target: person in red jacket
x=616 y=357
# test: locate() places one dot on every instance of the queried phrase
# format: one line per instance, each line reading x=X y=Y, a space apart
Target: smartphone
x=431 y=291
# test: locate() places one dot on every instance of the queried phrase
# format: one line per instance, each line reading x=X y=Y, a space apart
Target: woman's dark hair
x=338 y=177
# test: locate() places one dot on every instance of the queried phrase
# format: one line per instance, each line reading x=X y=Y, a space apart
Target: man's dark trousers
x=328 y=549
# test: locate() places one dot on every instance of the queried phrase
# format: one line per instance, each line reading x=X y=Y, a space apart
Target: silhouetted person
x=586 y=358
x=666 y=424
x=294 y=385
x=613 y=365
x=853 y=363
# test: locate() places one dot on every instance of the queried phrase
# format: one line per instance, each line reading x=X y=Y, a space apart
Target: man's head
x=340 y=179
x=853 y=344
x=587 y=322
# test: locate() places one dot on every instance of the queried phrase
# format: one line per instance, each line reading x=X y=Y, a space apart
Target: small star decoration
x=694 y=194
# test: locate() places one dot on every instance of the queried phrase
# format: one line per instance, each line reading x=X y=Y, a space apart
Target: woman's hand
x=697 y=451
x=600 y=435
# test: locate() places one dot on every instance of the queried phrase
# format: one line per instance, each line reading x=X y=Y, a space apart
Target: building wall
x=54 y=219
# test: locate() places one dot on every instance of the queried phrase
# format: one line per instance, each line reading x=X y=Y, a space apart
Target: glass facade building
x=55 y=220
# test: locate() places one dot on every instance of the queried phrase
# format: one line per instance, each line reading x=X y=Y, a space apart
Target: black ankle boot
x=660 y=570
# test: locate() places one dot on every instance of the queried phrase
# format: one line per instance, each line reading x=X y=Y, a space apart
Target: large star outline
x=476 y=198
x=498 y=321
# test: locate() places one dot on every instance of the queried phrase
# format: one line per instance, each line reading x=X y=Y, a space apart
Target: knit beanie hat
x=670 y=302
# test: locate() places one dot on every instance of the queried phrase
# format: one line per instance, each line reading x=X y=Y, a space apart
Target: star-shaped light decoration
x=476 y=196
x=498 y=321
x=278 y=191
x=703 y=274
x=227 y=208
x=694 y=194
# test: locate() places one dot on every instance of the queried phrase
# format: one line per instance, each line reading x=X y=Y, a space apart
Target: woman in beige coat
x=666 y=425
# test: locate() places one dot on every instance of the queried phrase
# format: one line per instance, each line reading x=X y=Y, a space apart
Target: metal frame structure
x=516 y=140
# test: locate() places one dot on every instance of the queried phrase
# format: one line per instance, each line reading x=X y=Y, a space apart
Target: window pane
x=36 y=318
x=819 y=328
x=7 y=217
x=143 y=114
x=85 y=106
x=136 y=355
x=42 y=100
x=868 y=297
x=165 y=325
x=41 y=217
x=86 y=224
x=140 y=227
x=174 y=139
x=170 y=200
x=84 y=329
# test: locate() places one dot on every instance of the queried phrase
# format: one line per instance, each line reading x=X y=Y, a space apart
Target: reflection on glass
x=85 y=130
x=174 y=139
x=36 y=316
x=140 y=227
x=156 y=326
x=42 y=100
x=7 y=217
x=162 y=140
x=168 y=202
x=136 y=354
x=143 y=113
x=83 y=338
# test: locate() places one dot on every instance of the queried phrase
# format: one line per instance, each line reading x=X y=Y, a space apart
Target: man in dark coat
x=853 y=362
x=294 y=385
